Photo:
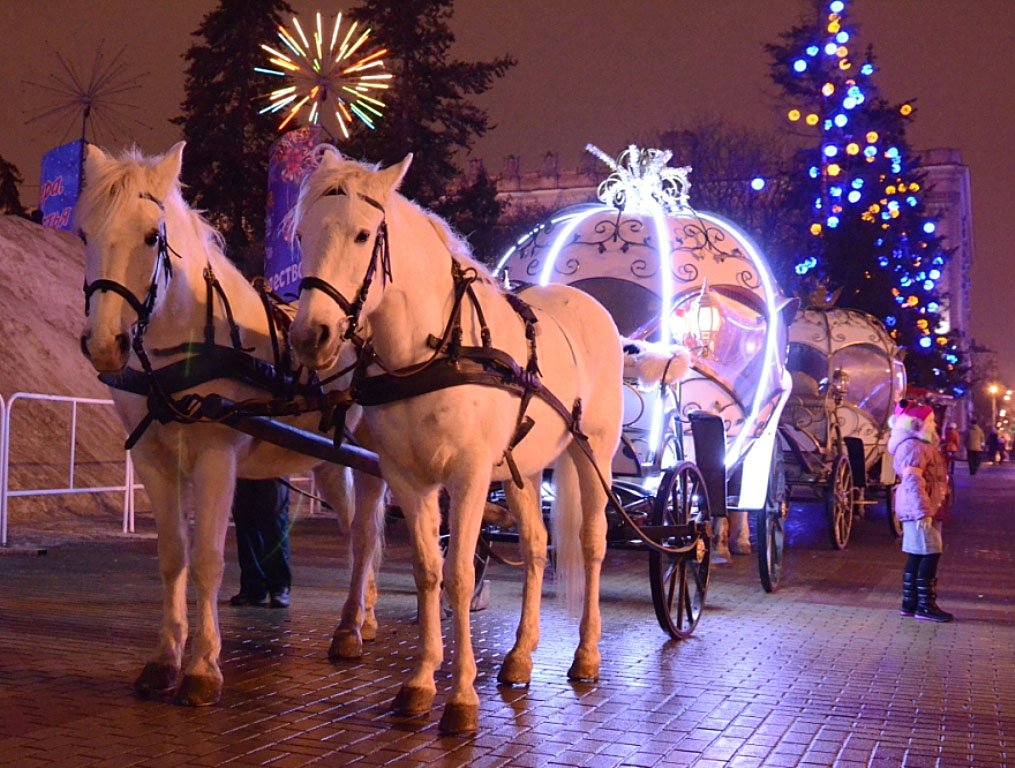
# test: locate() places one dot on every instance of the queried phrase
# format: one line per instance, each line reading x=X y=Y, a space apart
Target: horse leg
x=358 y=621
x=423 y=517
x=526 y=506
x=214 y=480
x=468 y=494
x=593 y=544
x=161 y=675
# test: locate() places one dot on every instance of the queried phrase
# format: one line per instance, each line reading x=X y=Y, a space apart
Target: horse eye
x=81 y=234
x=363 y=236
x=151 y=238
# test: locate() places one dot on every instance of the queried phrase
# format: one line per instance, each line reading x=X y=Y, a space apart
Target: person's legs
x=909 y=585
x=274 y=525
x=249 y=544
x=926 y=591
x=974 y=462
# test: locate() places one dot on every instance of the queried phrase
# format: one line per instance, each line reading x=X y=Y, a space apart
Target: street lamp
x=993 y=389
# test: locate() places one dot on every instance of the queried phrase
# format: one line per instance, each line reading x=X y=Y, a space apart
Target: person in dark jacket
x=261 y=515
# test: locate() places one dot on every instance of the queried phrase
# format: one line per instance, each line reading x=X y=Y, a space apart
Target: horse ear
x=392 y=176
x=95 y=160
x=167 y=170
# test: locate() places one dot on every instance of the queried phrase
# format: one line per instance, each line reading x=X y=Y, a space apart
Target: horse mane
x=106 y=193
x=350 y=174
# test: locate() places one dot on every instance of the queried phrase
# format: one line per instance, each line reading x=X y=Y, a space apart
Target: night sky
x=609 y=73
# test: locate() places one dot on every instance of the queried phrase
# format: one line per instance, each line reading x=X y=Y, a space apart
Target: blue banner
x=60 y=184
x=291 y=160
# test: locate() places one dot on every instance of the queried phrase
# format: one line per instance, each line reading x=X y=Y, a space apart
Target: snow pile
x=41 y=314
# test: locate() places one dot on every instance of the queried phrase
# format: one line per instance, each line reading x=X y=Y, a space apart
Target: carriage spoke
x=683 y=595
x=672 y=577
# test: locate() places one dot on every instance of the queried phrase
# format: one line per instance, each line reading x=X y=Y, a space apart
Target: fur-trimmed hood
x=905 y=426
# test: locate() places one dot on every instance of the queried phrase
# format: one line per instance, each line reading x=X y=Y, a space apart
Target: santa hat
x=914 y=418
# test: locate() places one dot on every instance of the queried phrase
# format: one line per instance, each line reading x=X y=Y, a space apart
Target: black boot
x=926 y=602
x=908 y=594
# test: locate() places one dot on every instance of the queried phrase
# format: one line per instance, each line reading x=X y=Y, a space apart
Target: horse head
x=120 y=217
x=341 y=228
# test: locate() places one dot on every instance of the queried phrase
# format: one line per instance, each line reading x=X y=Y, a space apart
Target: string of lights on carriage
x=640 y=188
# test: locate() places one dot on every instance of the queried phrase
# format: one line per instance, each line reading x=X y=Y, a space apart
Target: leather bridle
x=380 y=259
x=162 y=264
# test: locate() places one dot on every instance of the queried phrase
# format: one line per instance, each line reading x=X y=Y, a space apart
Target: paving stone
x=823 y=672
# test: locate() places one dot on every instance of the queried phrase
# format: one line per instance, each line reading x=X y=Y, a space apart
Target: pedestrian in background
x=974 y=446
x=922 y=499
x=993 y=446
x=261 y=515
x=952 y=443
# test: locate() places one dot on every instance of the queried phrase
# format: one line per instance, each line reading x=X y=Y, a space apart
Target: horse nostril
x=84 y=345
x=123 y=342
x=322 y=336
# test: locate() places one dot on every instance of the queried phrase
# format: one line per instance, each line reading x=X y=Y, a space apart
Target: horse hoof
x=412 y=701
x=369 y=630
x=199 y=691
x=583 y=672
x=345 y=645
x=157 y=681
x=516 y=669
x=460 y=718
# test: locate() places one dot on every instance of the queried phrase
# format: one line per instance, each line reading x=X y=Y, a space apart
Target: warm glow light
x=833 y=169
x=812 y=119
x=827 y=89
x=906 y=109
x=871 y=137
x=852 y=148
x=815 y=229
x=794 y=115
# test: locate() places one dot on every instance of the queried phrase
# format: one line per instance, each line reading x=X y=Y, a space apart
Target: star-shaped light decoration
x=642 y=180
x=328 y=78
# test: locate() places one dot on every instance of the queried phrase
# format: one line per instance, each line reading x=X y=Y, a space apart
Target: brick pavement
x=822 y=673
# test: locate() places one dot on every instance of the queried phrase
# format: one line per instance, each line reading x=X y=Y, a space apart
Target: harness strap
x=234 y=329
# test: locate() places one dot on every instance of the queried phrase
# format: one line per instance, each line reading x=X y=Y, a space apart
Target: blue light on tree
x=799 y=65
x=925 y=342
x=929 y=227
x=757 y=183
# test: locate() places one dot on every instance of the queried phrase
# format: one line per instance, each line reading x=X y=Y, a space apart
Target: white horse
x=146 y=256
x=456 y=437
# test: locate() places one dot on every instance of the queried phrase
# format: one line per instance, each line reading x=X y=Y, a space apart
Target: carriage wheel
x=771 y=525
x=679 y=582
x=894 y=524
x=839 y=502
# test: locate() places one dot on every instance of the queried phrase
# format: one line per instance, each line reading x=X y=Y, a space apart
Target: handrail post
x=73 y=440
x=4 y=420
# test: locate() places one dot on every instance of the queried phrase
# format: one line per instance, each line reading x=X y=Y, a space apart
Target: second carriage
x=847 y=373
x=702 y=447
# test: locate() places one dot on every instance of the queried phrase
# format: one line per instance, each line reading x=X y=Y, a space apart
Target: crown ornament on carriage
x=642 y=180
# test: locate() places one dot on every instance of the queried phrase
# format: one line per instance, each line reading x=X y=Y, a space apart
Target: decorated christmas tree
x=869 y=231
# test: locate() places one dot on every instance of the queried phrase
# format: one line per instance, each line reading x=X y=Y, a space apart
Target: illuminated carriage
x=847 y=375
x=675 y=276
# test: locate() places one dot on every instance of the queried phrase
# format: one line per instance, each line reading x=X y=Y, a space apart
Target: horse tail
x=566 y=518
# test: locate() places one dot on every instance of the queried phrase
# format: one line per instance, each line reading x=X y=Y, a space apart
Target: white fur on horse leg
x=720 y=541
x=593 y=543
x=422 y=516
x=527 y=509
x=740 y=532
x=367 y=531
x=160 y=676
x=214 y=484
x=468 y=497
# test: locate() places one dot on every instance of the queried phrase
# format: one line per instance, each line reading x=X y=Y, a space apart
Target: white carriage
x=670 y=275
x=847 y=375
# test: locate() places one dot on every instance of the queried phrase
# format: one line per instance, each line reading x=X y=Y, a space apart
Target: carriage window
x=870 y=379
x=808 y=367
x=635 y=309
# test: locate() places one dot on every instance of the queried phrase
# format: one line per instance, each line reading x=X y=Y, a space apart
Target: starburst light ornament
x=641 y=181
x=327 y=78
